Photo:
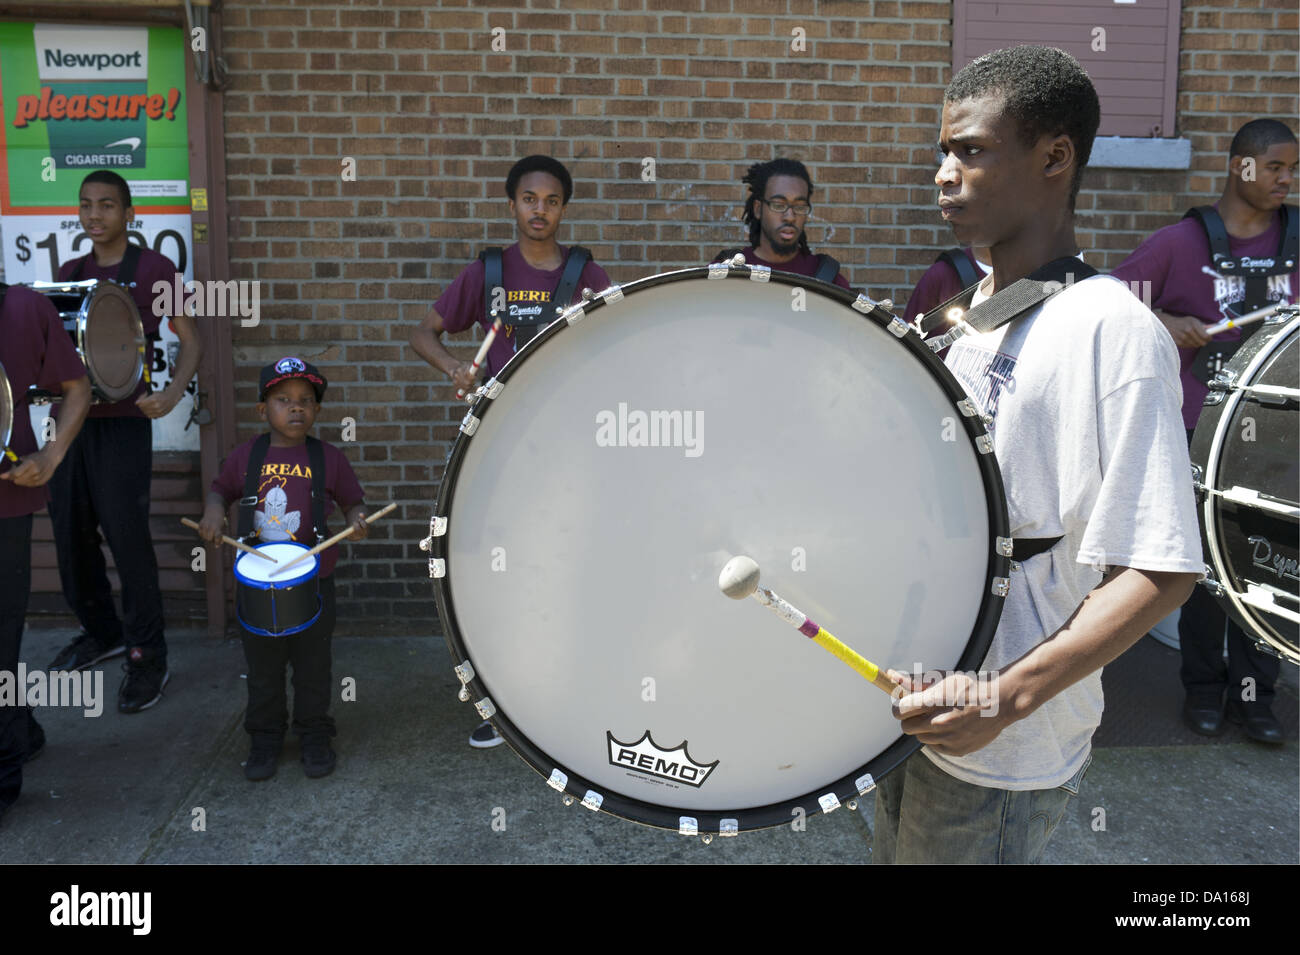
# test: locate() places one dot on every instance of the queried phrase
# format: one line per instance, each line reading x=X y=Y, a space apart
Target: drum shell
x=1257 y=450
x=273 y=609
x=78 y=304
x=802 y=698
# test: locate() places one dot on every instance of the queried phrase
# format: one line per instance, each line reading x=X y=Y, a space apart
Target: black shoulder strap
x=130 y=262
x=827 y=268
x=125 y=269
x=4 y=287
x=1013 y=301
x=569 y=278
x=492 y=276
x=1289 y=248
x=1215 y=231
x=316 y=460
x=252 y=477
x=967 y=274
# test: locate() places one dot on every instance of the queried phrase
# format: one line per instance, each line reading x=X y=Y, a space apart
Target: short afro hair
x=110 y=178
x=539 y=164
x=1259 y=136
x=1046 y=92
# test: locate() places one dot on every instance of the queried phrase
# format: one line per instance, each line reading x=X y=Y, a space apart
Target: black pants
x=18 y=729
x=103 y=483
x=308 y=651
x=1201 y=631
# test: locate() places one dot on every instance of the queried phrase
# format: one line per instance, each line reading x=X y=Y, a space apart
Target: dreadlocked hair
x=756 y=178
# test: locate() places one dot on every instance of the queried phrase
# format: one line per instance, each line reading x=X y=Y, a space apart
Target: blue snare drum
x=277 y=605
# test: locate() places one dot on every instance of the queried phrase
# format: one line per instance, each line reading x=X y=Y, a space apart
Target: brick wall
x=414 y=92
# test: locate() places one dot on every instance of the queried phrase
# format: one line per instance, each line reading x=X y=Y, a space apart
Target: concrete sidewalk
x=120 y=789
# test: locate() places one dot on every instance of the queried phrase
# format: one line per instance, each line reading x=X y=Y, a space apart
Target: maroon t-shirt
x=1171 y=260
x=35 y=350
x=153 y=267
x=939 y=283
x=528 y=295
x=284 y=493
x=805 y=263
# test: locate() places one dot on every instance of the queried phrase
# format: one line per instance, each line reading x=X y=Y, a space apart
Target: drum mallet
x=370 y=519
x=739 y=579
x=233 y=543
x=482 y=353
x=1230 y=323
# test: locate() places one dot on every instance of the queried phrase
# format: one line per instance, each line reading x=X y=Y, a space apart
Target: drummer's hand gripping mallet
x=482 y=353
x=739 y=579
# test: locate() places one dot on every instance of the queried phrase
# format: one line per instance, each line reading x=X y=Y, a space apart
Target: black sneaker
x=85 y=651
x=485 y=736
x=143 y=684
x=317 y=757
x=263 y=758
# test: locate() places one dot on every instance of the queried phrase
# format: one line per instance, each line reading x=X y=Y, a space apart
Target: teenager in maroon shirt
x=103 y=484
x=1187 y=300
x=539 y=189
x=34 y=350
x=776 y=211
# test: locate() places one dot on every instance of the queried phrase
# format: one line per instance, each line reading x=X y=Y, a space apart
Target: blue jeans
x=925 y=815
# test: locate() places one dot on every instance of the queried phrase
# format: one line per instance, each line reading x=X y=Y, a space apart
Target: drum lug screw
x=567 y=800
x=707 y=838
x=463 y=695
x=853 y=805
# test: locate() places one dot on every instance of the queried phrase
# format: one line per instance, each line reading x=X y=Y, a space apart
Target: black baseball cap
x=287 y=368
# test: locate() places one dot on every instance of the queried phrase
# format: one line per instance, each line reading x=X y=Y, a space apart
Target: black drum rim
x=575 y=787
x=1249 y=617
x=84 y=317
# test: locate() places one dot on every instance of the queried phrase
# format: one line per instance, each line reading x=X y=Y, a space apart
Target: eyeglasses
x=779 y=206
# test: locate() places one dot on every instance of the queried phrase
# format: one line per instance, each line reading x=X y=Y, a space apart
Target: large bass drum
x=601 y=481
x=1246 y=469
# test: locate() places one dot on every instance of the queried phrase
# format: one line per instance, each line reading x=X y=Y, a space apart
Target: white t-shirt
x=1090 y=441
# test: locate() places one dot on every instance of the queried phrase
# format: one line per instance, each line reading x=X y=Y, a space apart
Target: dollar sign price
x=24 y=248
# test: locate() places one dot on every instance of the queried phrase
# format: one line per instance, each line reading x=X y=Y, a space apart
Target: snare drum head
x=627 y=458
x=257 y=572
x=111 y=337
x=1245 y=446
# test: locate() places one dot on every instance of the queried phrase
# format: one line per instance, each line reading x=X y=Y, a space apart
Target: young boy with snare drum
x=287 y=483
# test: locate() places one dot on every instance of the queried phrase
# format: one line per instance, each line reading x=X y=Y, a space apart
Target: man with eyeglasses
x=776 y=211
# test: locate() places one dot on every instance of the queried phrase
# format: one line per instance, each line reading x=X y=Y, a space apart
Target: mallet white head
x=739 y=578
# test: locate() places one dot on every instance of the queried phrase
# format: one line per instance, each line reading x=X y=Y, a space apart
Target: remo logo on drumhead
x=584 y=616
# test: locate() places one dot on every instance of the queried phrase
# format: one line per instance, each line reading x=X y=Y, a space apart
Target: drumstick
x=482 y=352
x=233 y=543
x=739 y=579
x=333 y=540
x=1230 y=323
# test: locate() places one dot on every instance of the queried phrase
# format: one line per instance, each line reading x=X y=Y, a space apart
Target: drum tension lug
x=1001 y=586
x=465 y=673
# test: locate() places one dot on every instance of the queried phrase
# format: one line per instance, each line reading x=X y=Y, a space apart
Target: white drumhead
x=584 y=576
x=256 y=570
